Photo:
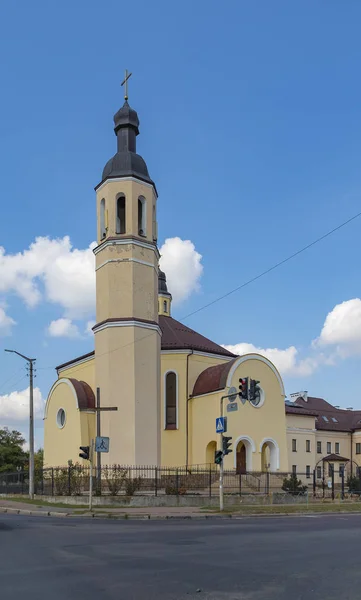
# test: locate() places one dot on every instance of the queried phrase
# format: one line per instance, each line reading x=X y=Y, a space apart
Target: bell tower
x=127 y=333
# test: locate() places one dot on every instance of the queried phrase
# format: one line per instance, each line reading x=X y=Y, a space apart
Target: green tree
x=12 y=454
x=39 y=460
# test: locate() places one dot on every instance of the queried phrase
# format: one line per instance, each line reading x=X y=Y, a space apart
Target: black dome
x=126 y=164
x=162 y=283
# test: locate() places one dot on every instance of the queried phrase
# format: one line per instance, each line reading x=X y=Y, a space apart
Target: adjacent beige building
x=165 y=380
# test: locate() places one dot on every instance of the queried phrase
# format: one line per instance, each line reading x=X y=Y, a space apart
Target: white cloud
x=67 y=275
x=63 y=328
x=89 y=328
x=342 y=328
x=52 y=270
x=6 y=323
x=287 y=361
x=15 y=406
x=182 y=265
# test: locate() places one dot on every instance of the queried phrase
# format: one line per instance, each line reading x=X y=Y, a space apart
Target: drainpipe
x=187 y=408
x=351 y=456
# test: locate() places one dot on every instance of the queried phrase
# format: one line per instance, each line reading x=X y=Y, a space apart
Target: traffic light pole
x=221 y=467
x=91 y=462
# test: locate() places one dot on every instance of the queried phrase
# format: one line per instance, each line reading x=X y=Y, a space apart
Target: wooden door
x=241 y=459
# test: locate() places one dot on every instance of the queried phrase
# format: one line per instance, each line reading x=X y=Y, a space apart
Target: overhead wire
x=246 y=283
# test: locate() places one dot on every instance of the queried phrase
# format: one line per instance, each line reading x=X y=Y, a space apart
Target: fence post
x=343 y=483
x=42 y=482
x=176 y=482
x=210 y=480
x=156 y=481
x=333 y=482
x=69 y=482
x=52 y=481
x=22 y=480
x=268 y=481
x=240 y=482
x=314 y=483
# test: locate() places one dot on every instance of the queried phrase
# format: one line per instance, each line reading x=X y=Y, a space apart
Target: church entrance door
x=241 y=458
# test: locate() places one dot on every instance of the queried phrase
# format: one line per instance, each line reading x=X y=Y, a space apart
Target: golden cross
x=125 y=82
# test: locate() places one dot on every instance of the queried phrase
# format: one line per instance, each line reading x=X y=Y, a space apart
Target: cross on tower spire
x=125 y=83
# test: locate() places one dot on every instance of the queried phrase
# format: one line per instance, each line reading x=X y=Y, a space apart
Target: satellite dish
x=232 y=394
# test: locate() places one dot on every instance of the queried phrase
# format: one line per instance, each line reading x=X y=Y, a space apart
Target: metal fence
x=200 y=480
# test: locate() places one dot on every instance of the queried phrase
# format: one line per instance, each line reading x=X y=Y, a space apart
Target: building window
x=358 y=448
x=165 y=309
x=294 y=469
x=319 y=472
x=319 y=447
x=60 y=418
x=142 y=217
x=102 y=219
x=308 y=471
x=171 y=401
x=341 y=470
x=330 y=469
x=308 y=445
x=329 y=448
x=120 y=220
x=294 y=445
x=337 y=447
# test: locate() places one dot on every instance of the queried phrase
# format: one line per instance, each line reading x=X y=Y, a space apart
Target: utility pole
x=30 y=362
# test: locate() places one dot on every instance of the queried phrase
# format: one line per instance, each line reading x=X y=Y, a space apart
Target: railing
x=195 y=480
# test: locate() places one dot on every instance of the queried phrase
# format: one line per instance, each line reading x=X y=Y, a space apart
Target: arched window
x=102 y=219
x=155 y=233
x=120 y=220
x=142 y=216
x=165 y=309
x=171 y=401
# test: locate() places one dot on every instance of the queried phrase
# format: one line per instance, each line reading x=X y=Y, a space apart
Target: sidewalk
x=162 y=512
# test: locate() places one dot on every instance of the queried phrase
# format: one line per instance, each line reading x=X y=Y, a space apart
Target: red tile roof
x=176 y=336
x=328 y=418
x=212 y=379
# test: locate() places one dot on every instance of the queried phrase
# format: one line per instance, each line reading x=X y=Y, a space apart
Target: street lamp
x=30 y=361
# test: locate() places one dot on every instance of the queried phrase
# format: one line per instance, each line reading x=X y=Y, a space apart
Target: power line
x=279 y=264
x=246 y=283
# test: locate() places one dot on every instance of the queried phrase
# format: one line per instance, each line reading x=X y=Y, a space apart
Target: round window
x=259 y=399
x=60 y=418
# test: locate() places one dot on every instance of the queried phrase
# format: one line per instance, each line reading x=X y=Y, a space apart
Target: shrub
x=293 y=486
x=132 y=485
x=115 y=477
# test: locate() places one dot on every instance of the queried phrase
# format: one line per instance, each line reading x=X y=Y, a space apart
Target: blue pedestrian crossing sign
x=101 y=444
x=221 y=425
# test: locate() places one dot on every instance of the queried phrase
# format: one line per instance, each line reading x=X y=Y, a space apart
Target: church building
x=164 y=379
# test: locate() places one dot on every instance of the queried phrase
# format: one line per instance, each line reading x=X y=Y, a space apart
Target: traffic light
x=226 y=443
x=254 y=391
x=84 y=452
x=218 y=457
x=243 y=388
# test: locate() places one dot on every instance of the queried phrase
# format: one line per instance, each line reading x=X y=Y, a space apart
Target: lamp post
x=30 y=362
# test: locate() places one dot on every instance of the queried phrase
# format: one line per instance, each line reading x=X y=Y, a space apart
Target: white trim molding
x=58 y=382
x=250 y=448
x=76 y=363
x=118 y=179
x=199 y=353
x=130 y=323
x=274 y=452
x=165 y=397
x=126 y=260
x=261 y=358
x=126 y=242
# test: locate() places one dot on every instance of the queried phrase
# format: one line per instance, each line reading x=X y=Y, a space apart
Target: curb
x=148 y=517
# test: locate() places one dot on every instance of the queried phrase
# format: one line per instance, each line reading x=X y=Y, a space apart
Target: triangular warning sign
x=219 y=426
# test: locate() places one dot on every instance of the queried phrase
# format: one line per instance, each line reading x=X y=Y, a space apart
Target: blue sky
x=250 y=126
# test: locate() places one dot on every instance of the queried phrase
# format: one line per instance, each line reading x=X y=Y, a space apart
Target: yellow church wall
x=174 y=441
x=84 y=371
x=301 y=429
x=257 y=426
x=132 y=190
x=61 y=444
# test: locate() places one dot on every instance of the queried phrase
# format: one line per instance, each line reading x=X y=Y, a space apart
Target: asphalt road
x=282 y=558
